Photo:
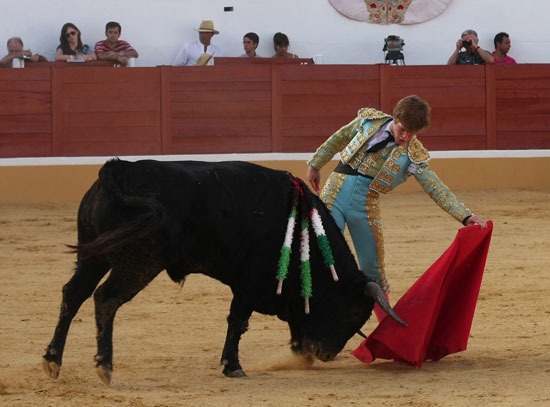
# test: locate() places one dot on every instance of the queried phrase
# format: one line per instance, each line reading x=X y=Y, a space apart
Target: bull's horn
x=374 y=290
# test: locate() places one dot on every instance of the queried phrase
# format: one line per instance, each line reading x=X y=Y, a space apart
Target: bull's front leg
x=237 y=324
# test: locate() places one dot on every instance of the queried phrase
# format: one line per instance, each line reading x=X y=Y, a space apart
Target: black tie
x=381 y=144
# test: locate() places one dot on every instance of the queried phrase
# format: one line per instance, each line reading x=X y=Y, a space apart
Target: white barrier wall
x=157 y=28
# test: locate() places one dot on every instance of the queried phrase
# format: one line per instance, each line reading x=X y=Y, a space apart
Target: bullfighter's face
x=401 y=134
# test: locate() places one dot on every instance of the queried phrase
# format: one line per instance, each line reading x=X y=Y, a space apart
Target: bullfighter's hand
x=313 y=175
x=476 y=220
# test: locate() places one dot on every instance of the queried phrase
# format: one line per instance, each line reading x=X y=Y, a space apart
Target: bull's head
x=336 y=315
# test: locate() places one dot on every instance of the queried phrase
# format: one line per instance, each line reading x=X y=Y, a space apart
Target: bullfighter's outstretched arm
x=444 y=197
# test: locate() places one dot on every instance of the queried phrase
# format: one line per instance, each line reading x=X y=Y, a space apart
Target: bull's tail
x=150 y=217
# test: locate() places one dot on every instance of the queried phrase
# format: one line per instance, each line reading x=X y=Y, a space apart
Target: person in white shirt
x=193 y=53
x=250 y=43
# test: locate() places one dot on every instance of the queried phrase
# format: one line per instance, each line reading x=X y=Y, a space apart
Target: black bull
x=226 y=220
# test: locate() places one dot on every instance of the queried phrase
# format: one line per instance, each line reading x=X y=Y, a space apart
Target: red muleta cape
x=438 y=308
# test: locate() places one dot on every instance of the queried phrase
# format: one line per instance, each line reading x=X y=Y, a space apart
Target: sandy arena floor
x=168 y=341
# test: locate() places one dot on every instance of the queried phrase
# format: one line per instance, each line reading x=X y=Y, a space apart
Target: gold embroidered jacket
x=388 y=167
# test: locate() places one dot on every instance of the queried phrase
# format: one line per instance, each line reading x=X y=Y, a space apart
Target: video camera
x=393 y=47
x=393 y=43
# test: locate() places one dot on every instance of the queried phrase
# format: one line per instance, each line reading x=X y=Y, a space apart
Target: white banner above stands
x=391 y=11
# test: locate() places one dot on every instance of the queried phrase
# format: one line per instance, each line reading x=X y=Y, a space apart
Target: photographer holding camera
x=15 y=50
x=473 y=54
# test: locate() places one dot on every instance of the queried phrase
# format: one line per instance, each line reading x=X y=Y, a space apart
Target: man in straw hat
x=201 y=51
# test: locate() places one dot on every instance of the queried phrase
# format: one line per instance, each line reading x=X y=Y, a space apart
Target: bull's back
x=202 y=187
x=216 y=215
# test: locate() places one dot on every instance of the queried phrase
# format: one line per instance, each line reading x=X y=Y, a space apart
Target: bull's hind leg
x=121 y=286
x=237 y=324
x=79 y=288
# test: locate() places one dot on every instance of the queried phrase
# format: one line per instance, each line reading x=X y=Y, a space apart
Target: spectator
x=113 y=49
x=280 y=43
x=250 y=43
x=15 y=50
x=502 y=46
x=473 y=54
x=193 y=53
x=71 y=47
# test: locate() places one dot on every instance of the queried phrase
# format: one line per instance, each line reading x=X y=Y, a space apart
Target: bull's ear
x=373 y=290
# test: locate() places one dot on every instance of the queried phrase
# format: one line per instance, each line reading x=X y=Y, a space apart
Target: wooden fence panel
x=316 y=100
x=216 y=109
x=106 y=111
x=523 y=106
x=456 y=95
x=25 y=113
x=91 y=110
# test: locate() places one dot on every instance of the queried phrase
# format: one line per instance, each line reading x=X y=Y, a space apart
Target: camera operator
x=15 y=50
x=473 y=54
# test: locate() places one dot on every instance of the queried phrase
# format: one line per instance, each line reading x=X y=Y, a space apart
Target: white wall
x=157 y=28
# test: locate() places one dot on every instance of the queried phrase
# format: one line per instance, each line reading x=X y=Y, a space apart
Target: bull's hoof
x=234 y=373
x=104 y=373
x=51 y=368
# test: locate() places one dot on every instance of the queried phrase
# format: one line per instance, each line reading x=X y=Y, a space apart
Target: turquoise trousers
x=351 y=207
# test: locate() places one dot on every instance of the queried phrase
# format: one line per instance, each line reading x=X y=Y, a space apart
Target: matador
x=378 y=152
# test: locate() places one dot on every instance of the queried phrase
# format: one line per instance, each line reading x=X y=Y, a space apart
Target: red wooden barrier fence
x=106 y=111
x=237 y=108
x=221 y=109
x=522 y=106
x=25 y=112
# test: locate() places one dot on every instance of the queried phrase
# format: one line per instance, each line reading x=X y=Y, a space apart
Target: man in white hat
x=193 y=53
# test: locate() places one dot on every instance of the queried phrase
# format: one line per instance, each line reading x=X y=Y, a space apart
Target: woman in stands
x=71 y=47
x=281 y=43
